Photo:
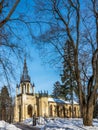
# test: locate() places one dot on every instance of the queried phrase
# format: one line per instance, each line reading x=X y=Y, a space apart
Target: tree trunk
x=88 y=114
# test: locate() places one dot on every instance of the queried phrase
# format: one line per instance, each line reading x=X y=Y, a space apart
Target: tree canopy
x=61 y=21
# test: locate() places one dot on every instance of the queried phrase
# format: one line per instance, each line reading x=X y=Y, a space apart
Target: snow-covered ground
x=53 y=124
x=6 y=126
x=62 y=124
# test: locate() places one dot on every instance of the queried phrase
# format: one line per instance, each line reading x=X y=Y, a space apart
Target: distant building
x=27 y=103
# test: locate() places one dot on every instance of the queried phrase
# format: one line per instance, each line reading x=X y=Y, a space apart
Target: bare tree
x=12 y=41
x=66 y=20
x=8 y=49
x=3 y=4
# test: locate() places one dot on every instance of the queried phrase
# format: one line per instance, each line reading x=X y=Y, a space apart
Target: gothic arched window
x=70 y=110
x=50 y=109
x=58 y=111
x=30 y=110
x=75 y=111
x=28 y=88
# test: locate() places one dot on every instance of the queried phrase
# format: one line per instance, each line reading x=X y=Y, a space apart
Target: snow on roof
x=57 y=100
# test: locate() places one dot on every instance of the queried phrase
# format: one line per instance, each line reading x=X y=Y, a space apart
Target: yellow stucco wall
x=27 y=105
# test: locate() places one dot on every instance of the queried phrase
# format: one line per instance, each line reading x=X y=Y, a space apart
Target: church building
x=28 y=103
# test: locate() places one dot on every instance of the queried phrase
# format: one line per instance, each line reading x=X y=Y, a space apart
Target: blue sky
x=41 y=74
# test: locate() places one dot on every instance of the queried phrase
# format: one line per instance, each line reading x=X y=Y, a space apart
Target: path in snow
x=62 y=124
x=25 y=127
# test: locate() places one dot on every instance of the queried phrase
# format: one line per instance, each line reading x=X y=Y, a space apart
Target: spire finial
x=25 y=77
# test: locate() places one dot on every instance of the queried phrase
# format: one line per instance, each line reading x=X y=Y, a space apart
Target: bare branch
x=10 y=13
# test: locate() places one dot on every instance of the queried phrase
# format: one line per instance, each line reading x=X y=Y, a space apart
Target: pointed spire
x=25 y=77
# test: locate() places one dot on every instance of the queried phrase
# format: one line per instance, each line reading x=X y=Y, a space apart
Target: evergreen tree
x=68 y=76
x=59 y=91
x=5 y=107
x=68 y=88
x=56 y=89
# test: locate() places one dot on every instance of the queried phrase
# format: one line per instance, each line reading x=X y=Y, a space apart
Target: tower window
x=28 y=88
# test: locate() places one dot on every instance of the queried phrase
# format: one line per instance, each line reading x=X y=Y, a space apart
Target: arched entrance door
x=19 y=113
x=30 y=110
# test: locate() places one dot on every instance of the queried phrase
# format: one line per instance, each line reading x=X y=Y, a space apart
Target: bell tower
x=24 y=94
x=25 y=86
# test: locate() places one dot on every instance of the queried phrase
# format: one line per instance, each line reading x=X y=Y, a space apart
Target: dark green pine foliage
x=5 y=105
x=68 y=88
x=59 y=91
x=56 y=89
x=68 y=76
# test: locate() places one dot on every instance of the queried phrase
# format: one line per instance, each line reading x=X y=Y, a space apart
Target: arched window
x=30 y=110
x=70 y=108
x=50 y=109
x=28 y=88
x=75 y=111
x=70 y=111
x=55 y=110
x=63 y=111
x=58 y=114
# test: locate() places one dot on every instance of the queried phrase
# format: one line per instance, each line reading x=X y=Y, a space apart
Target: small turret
x=43 y=94
x=17 y=88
